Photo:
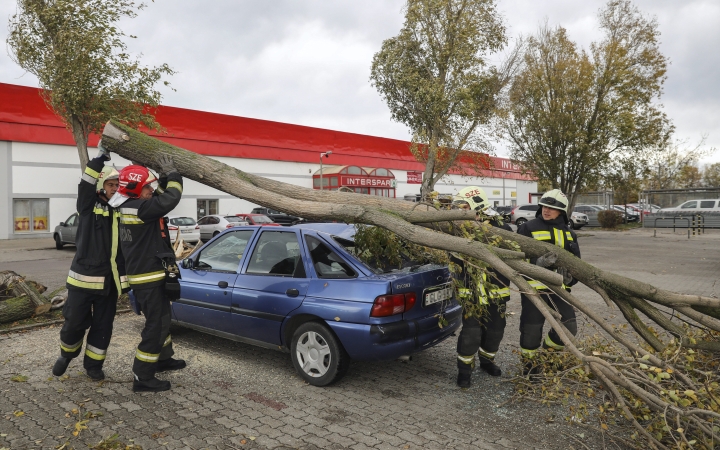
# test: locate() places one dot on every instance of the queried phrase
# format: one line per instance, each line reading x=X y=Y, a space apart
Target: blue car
x=300 y=289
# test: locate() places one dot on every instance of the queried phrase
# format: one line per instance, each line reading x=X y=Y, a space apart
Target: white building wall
x=52 y=172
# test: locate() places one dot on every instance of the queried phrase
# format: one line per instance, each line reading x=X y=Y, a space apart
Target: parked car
x=521 y=214
x=578 y=220
x=301 y=290
x=629 y=212
x=505 y=212
x=695 y=206
x=65 y=232
x=258 y=219
x=189 y=230
x=278 y=216
x=213 y=224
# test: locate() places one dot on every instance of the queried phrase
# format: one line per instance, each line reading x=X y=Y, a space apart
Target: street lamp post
x=325 y=154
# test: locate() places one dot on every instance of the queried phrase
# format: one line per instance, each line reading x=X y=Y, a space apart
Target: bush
x=610 y=218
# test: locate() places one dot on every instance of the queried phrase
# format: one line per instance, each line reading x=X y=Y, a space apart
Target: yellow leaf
x=669 y=370
x=18 y=413
x=74 y=411
x=680 y=430
x=252 y=438
x=603 y=426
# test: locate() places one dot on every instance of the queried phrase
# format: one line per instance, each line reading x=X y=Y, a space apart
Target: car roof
x=342 y=230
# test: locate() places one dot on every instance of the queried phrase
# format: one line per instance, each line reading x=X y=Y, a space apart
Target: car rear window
x=707 y=204
x=182 y=221
x=261 y=219
x=234 y=219
x=327 y=263
x=529 y=208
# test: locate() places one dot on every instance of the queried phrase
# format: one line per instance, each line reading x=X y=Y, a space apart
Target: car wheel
x=317 y=355
x=571 y=224
x=58 y=242
x=520 y=221
x=215 y=233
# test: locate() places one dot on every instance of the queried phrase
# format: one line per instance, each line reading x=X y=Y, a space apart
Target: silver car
x=212 y=225
x=521 y=214
x=66 y=231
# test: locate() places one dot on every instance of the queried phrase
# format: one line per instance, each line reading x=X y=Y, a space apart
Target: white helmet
x=108 y=173
x=474 y=196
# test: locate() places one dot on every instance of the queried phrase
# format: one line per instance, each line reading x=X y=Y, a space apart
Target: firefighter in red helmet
x=97 y=274
x=144 y=201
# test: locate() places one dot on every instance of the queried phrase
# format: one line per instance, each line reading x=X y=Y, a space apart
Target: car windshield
x=234 y=219
x=182 y=221
x=261 y=219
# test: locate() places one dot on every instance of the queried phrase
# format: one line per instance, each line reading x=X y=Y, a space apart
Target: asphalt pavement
x=235 y=395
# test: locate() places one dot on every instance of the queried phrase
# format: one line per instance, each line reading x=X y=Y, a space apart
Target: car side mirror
x=62 y=224
x=187 y=263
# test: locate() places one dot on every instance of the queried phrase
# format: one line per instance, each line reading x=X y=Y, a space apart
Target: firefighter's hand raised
x=166 y=164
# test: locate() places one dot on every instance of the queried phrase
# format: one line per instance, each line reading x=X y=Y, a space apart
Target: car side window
x=707 y=204
x=277 y=253
x=213 y=221
x=224 y=254
x=327 y=263
x=71 y=220
x=687 y=205
x=202 y=221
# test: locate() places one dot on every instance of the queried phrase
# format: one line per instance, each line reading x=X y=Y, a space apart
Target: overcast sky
x=308 y=62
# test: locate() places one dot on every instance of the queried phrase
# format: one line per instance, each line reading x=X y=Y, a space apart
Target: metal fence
x=669 y=198
x=596 y=198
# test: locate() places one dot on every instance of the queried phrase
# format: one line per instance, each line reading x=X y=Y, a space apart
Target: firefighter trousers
x=483 y=335
x=532 y=321
x=84 y=310
x=156 y=343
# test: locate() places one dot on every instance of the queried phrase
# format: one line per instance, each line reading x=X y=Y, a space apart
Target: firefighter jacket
x=98 y=253
x=502 y=284
x=554 y=232
x=144 y=237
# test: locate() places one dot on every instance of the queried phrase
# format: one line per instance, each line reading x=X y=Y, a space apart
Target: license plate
x=186 y=231
x=438 y=295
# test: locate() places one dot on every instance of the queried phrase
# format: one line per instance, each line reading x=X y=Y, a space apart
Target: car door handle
x=222 y=284
x=292 y=292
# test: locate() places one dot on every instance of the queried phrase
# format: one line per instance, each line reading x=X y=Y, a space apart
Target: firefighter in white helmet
x=97 y=274
x=550 y=225
x=488 y=291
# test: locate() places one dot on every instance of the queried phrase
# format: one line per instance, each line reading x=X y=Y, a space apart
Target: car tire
x=520 y=221
x=215 y=233
x=571 y=225
x=58 y=242
x=317 y=354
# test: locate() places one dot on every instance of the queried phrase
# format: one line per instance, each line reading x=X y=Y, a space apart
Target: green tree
x=711 y=175
x=77 y=52
x=571 y=114
x=435 y=79
x=669 y=166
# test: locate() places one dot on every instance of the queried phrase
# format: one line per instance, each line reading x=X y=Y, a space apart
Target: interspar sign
x=414 y=177
x=354 y=180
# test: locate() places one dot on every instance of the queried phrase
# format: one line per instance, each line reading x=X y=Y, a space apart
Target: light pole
x=326 y=154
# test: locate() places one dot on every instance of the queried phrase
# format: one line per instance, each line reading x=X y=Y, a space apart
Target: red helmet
x=133 y=179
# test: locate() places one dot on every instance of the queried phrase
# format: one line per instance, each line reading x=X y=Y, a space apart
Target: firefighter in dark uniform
x=146 y=245
x=481 y=335
x=550 y=225
x=97 y=273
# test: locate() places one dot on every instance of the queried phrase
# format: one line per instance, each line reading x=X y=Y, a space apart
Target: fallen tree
x=642 y=373
x=20 y=298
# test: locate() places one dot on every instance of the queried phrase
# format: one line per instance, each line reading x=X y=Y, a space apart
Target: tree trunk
x=81 y=141
x=25 y=300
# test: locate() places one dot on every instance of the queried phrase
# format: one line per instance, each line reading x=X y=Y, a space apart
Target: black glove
x=546 y=260
x=166 y=164
x=103 y=152
x=567 y=278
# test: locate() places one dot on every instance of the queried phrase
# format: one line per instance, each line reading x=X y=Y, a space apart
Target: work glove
x=103 y=152
x=546 y=260
x=166 y=164
x=567 y=278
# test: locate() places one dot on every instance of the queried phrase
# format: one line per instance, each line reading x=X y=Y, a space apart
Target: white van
x=703 y=205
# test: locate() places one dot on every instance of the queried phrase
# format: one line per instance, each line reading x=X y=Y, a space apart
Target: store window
x=206 y=207
x=31 y=215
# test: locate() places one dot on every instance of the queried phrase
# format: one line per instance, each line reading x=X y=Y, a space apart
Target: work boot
x=151 y=385
x=464 y=379
x=60 y=366
x=489 y=366
x=96 y=374
x=170 y=364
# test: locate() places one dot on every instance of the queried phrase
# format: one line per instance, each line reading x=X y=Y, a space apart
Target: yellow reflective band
x=168 y=341
x=92 y=173
x=485 y=354
x=113 y=252
x=146 y=277
x=568 y=235
x=500 y=292
x=528 y=353
x=537 y=285
x=85 y=282
x=101 y=212
x=559 y=238
x=71 y=348
x=549 y=342
x=88 y=179
x=541 y=235
x=174 y=184
x=95 y=353
x=129 y=219
x=147 y=357
x=466 y=359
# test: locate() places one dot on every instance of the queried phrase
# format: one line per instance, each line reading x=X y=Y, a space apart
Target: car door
x=272 y=283
x=206 y=288
x=70 y=229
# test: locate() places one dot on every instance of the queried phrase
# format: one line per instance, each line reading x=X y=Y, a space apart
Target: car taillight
x=197 y=227
x=229 y=225
x=388 y=305
x=172 y=228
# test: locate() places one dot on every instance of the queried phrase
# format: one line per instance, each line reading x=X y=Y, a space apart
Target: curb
x=45 y=324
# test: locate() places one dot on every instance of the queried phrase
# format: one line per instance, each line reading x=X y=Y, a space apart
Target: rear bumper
x=395 y=339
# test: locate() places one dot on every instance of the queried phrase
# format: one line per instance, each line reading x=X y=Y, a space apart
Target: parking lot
x=234 y=395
